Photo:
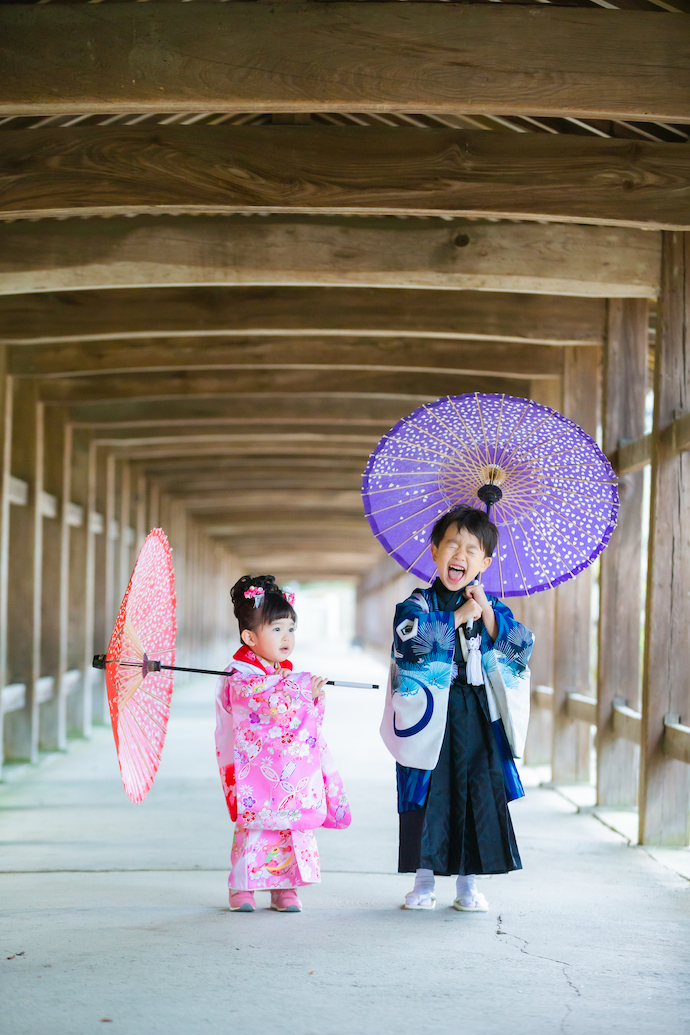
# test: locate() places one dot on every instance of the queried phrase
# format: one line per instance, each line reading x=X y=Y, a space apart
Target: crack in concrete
x=562 y=963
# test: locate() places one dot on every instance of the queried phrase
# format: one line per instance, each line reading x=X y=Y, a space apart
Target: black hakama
x=464 y=827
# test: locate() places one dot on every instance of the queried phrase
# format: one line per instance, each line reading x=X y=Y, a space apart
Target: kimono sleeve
x=225 y=745
x=513 y=640
x=338 y=813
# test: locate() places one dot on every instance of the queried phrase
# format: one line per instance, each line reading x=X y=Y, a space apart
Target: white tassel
x=475 y=676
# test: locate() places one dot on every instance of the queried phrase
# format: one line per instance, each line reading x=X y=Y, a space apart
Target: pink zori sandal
x=286 y=901
x=242 y=901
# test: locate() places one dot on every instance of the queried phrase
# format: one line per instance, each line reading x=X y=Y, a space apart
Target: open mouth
x=456 y=572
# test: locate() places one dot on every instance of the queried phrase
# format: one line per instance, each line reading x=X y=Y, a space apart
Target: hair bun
x=265 y=582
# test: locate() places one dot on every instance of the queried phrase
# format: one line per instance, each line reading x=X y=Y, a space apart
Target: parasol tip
x=98 y=661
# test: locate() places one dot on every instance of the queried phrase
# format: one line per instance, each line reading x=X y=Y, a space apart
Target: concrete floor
x=117 y=914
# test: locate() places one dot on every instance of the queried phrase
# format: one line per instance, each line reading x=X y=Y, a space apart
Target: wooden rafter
x=297 y=57
x=331 y=170
x=329 y=251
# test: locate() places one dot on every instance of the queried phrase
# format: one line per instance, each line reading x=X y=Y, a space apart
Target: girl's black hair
x=475 y=521
x=273 y=604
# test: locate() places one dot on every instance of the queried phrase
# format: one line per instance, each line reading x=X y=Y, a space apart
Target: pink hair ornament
x=290 y=597
x=255 y=593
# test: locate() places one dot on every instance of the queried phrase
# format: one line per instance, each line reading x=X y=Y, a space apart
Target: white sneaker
x=474 y=903
x=417 y=900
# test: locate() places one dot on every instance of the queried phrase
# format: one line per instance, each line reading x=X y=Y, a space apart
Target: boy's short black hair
x=475 y=521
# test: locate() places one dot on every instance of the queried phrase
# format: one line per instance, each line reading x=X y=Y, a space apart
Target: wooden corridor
x=239 y=241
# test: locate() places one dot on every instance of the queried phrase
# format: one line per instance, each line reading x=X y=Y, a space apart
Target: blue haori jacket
x=422 y=670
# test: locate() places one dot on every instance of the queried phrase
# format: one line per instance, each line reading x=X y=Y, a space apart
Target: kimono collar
x=247 y=655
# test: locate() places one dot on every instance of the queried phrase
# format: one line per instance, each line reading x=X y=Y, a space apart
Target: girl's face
x=274 y=642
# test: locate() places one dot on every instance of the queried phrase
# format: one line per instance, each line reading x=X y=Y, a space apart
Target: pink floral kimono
x=278 y=775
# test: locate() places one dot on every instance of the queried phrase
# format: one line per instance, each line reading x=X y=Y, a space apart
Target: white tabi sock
x=466 y=886
x=422 y=895
x=424 y=882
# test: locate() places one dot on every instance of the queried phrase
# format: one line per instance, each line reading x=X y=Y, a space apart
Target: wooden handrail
x=676 y=740
x=633 y=456
x=627 y=723
x=542 y=697
x=582 y=708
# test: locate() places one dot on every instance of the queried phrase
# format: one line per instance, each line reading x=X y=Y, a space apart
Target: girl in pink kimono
x=278 y=776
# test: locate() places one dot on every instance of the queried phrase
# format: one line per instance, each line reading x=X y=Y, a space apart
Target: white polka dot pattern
x=145 y=629
x=560 y=496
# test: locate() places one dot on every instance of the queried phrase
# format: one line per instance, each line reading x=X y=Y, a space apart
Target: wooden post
x=571 y=738
x=63 y=607
x=78 y=709
x=125 y=516
x=110 y=536
x=52 y=733
x=141 y=510
x=6 y=457
x=665 y=782
x=154 y=506
x=90 y=590
x=539 y=615
x=624 y=386
x=21 y=726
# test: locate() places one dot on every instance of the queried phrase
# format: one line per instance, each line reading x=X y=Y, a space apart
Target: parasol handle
x=152 y=665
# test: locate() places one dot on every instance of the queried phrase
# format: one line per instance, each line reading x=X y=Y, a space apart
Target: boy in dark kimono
x=452 y=802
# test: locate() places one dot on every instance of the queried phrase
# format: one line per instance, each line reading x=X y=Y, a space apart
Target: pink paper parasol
x=138 y=694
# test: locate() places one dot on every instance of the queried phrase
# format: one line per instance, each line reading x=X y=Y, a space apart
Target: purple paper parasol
x=555 y=493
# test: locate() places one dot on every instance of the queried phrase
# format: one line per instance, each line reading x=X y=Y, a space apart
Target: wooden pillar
x=64 y=594
x=154 y=506
x=78 y=703
x=623 y=411
x=6 y=459
x=571 y=738
x=140 y=500
x=90 y=589
x=21 y=726
x=52 y=734
x=665 y=782
x=111 y=536
x=539 y=615
x=125 y=567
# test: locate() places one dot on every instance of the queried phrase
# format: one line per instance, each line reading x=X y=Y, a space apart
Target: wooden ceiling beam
x=303 y=57
x=333 y=170
x=386 y=356
x=411 y=389
x=301 y=250
x=140 y=314
x=262 y=409
x=311 y=499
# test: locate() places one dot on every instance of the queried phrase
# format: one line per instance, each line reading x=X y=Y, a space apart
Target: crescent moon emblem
x=424 y=721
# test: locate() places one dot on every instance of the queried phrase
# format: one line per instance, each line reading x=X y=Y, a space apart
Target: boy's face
x=459 y=558
x=274 y=642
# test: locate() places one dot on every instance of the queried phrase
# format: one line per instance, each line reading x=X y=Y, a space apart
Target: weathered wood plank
x=414 y=388
x=665 y=782
x=388 y=356
x=624 y=389
x=339 y=170
x=164 y=312
x=343 y=57
x=301 y=250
